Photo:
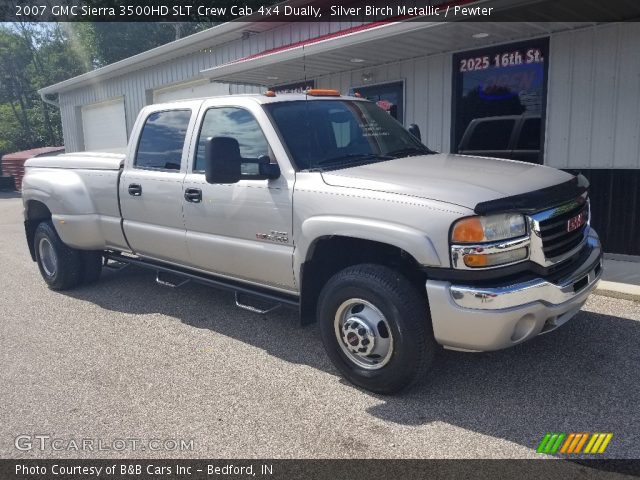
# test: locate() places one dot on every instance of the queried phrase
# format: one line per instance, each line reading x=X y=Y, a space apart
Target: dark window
x=499 y=82
x=529 y=135
x=491 y=135
x=236 y=123
x=388 y=96
x=162 y=140
x=338 y=133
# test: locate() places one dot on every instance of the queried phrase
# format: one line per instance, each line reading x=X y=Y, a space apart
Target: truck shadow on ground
x=583 y=377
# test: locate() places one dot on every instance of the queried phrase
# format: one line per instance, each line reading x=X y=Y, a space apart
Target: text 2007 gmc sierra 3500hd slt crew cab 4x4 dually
x=326 y=203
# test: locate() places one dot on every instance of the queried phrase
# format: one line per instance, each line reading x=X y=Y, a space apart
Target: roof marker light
x=322 y=92
x=269 y=93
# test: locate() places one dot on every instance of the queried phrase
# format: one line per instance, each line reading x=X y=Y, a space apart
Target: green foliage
x=110 y=42
x=33 y=56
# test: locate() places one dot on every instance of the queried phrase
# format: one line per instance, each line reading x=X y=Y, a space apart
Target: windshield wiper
x=349 y=160
x=409 y=152
x=354 y=156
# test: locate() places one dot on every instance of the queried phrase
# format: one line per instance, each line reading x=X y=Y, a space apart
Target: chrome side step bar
x=276 y=299
x=253 y=309
x=165 y=283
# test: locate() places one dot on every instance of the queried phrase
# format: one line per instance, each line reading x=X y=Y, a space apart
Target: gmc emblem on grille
x=577 y=221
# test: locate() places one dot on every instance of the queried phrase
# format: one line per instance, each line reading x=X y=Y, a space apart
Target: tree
x=108 y=42
x=31 y=57
x=36 y=55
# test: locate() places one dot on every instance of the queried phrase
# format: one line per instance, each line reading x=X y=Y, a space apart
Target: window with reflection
x=235 y=123
x=162 y=140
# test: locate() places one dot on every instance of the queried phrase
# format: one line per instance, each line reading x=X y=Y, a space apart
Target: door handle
x=135 y=189
x=193 y=195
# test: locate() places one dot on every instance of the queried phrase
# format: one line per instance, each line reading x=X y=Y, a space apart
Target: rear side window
x=491 y=135
x=162 y=140
x=530 y=135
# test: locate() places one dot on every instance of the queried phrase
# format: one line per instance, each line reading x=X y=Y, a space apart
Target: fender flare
x=415 y=242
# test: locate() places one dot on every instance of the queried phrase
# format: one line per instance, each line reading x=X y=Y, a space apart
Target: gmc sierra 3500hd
x=326 y=203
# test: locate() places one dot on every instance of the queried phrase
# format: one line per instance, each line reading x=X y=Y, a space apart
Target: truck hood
x=457 y=179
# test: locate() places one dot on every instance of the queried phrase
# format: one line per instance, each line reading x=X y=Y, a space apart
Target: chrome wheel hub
x=363 y=334
x=358 y=337
x=48 y=257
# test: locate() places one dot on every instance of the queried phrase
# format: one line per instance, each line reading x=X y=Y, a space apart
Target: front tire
x=375 y=328
x=59 y=265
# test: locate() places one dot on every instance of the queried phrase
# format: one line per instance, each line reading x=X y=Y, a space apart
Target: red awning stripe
x=340 y=33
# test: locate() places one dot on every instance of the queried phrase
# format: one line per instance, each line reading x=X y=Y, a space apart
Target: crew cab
x=325 y=203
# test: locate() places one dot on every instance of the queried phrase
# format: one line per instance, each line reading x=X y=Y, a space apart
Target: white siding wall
x=593 y=102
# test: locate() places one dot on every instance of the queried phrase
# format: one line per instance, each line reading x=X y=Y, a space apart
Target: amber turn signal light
x=468 y=230
x=475 y=261
x=322 y=92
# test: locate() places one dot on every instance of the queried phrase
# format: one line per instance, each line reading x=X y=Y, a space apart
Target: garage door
x=104 y=127
x=191 y=90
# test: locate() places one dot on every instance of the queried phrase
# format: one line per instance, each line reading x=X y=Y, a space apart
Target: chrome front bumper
x=479 y=319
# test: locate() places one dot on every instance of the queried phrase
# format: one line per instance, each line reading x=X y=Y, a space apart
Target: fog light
x=477 y=260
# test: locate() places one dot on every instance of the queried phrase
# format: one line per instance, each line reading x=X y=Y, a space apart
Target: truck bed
x=81 y=191
x=80 y=160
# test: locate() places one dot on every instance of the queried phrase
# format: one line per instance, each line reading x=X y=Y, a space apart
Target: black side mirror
x=222 y=160
x=415 y=131
x=269 y=170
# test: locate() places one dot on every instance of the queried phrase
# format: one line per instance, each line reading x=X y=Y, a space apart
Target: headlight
x=490 y=228
x=489 y=241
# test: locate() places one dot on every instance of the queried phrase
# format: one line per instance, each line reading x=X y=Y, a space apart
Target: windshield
x=331 y=134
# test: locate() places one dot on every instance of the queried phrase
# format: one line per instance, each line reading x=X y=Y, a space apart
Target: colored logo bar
x=574 y=443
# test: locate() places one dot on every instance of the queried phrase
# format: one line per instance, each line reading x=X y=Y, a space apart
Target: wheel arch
x=328 y=254
x=35 y=212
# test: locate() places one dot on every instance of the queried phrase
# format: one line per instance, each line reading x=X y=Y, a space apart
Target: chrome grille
x=552 y=228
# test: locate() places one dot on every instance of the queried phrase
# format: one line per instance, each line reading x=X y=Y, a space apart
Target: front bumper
x=472 y=318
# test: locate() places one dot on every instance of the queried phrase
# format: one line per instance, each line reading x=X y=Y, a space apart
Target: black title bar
x=314 y=469
x=216 y=11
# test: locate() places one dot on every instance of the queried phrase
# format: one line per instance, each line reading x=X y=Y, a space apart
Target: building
x=562 y=94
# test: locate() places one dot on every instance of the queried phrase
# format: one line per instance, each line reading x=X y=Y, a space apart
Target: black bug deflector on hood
x=536 y=200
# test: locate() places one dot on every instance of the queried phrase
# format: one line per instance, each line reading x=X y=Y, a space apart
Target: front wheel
x=375 y=328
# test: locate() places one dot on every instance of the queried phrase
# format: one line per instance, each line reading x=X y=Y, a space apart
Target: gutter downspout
x=53 y=103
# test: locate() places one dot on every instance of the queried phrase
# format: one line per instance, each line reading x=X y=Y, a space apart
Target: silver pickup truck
x=325 y=203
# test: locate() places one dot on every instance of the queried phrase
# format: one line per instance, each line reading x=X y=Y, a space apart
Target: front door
x=242 y=230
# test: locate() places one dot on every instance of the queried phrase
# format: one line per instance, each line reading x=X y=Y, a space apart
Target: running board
x=166 y=283
x=251 y=308
x=238 y=288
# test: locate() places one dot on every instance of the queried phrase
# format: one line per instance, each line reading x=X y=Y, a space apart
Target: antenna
x=304 y=66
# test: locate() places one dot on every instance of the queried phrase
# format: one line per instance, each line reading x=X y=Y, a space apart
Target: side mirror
x=269 y=170
x=266 y=169
x=415 y=131
x=222 y=160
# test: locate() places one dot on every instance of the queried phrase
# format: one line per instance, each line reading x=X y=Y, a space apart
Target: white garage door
x=104 y=126
x=191 y=90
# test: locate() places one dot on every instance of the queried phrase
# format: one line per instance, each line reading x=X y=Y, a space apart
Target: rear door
x=151 y=185
x=243 y=230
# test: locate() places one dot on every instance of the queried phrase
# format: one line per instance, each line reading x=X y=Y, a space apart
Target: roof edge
x=149 y=57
